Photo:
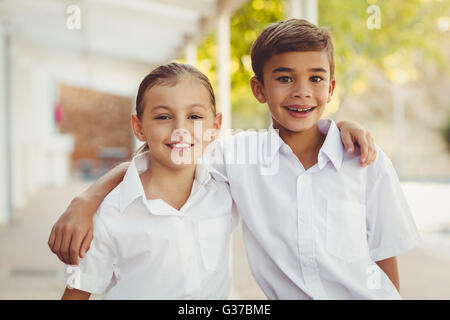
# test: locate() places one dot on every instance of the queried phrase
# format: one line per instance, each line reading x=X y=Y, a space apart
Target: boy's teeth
x=300 y=110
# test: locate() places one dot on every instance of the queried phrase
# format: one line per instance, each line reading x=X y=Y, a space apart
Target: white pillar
x=20 y=124
x=399 y=121
x=303 y=9
x=191 y=54
x=223 y=70
x=5 y=180
x=294 y=9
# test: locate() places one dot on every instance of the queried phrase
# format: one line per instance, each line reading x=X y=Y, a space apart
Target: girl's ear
x=137 y=128
x=331 y=89
x=257 y=89
x=218 y=121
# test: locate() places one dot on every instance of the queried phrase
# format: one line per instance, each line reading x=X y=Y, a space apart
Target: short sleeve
x=235 y=218
x=391 y=229
x=94 y=272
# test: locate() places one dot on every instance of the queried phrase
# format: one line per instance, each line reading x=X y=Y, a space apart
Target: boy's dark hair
x=290 y=36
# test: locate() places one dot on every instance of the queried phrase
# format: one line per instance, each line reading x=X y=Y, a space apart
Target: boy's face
x=297 y=87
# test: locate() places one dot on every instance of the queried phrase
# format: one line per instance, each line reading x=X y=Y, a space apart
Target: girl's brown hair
x=169 y=75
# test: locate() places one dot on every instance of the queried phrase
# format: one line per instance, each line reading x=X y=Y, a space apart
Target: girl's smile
x=174 y=120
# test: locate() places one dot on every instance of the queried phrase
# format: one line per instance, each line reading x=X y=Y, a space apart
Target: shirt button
x=302 y=218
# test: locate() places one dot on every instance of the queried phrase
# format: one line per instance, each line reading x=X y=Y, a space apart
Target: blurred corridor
x=69 y=74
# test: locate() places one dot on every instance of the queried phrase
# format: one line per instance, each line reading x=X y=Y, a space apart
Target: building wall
x=95 y=120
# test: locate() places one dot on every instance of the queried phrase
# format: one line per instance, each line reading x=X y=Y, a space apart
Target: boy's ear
x=257 y=89
x=137 y=128
x=331 y=89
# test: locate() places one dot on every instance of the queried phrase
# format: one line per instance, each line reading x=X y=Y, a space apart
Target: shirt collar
x=132 y=189
x=331 y=150
x=271 y=145
x=131 y=186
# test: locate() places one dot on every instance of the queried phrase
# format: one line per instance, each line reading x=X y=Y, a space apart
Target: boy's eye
x=284 y=79
x=316 y=79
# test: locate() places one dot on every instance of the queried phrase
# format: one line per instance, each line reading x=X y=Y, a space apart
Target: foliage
x=408 y=30
x=447 y=132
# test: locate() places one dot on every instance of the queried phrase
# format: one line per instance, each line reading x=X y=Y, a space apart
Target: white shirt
x=316 y=234
x=146 y=249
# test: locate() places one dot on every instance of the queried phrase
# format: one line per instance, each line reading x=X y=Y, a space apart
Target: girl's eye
x=316 y=79
x=284 y=79
x=162 y=117
x=195 y=117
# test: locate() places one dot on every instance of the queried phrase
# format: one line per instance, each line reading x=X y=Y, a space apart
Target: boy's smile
x=297 y=87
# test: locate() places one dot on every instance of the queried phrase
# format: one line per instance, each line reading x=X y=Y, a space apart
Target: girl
x=164 y=231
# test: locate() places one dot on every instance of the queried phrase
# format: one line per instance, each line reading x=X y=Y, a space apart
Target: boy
x=315 y=225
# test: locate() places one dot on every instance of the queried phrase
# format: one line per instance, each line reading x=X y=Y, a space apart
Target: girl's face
x=178 y=122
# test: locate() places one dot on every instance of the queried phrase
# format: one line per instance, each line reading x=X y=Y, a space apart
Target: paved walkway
x=29 y=270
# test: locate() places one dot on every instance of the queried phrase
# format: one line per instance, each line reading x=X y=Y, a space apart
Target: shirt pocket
x=214 y=236
x=346 y=230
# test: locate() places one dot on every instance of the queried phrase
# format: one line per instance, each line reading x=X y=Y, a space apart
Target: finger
x=57 y=246
x=370 y=149
x=65 y=247
x=52 y=238
x=57 y=243
x=74 y=248
x=347 y=141
x=86 y=243
x=373 y=150
x=364 y=148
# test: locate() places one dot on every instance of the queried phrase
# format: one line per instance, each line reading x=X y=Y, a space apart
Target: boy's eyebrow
x=320 y=69
x=282 y=69
x=285 y=69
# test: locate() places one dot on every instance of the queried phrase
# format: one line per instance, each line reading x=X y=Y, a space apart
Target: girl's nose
x=181 y=134
x=181 y=131
x=181 y=124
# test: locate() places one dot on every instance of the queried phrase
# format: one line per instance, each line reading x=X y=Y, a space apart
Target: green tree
x=408 y=29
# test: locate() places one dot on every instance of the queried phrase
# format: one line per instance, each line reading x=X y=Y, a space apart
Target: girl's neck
x=305 y=144
x=162 y=182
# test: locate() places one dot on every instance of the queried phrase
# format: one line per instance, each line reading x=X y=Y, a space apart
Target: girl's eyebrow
x=155 y=108
x=160 y=107
x=197 y=105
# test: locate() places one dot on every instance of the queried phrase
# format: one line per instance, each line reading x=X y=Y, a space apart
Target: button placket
x=306 y=235
x=187 y=254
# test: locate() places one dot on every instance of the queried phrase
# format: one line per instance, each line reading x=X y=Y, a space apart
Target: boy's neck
x=305 y=144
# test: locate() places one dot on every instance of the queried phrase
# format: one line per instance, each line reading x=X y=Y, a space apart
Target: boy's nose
x=301 y=91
